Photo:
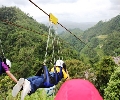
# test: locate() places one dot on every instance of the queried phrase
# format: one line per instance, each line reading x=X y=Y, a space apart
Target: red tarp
x=78 y=89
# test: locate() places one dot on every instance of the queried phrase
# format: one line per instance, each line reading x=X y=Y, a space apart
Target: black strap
x=1 y=59
x=4 y=60
x=39 y=72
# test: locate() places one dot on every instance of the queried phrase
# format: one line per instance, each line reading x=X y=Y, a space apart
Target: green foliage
x=112 y=92
x=5 y=84
x=40 y=94
x=77 y=69
x=74 y=66
x=103 y=72
x=71 y=39
x=112 y=44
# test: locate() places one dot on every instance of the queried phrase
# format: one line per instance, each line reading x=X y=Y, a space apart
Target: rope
x=58 y=43
x=53 y=40
x=53 y=48
x=1 y=48
x=47 y=43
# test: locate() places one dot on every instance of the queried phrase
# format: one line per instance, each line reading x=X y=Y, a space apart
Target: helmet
x=8 y=63
x=59 y=63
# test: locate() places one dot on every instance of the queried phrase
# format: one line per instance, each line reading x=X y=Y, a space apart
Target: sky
x=68 y=10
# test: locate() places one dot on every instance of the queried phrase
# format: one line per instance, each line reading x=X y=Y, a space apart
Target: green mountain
x=101 y=39
x=104 y=37
x=71 y=39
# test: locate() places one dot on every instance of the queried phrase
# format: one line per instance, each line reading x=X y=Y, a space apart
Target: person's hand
x=68 y=75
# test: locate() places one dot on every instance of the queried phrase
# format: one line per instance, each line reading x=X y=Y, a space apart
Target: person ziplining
x=46 y=80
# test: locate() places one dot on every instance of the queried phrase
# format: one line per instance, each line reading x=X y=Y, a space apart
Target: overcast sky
x=69 y=10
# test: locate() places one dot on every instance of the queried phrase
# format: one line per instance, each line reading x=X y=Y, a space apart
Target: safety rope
x=47 y=42
x=2 y=49
x=59 y=52
x=53 y=40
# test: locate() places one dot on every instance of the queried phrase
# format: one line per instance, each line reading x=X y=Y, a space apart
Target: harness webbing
x=51 y=80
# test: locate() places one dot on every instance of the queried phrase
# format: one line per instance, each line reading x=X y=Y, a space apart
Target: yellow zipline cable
x=59 y=23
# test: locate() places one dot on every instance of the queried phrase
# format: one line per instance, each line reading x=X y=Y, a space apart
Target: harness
x=50 y=79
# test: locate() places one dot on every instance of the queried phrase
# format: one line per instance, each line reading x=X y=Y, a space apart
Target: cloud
x=115 y=2
x=54 y=1
x=115 y=6
x=19 y=2
x=68 y=10
x=13 y=2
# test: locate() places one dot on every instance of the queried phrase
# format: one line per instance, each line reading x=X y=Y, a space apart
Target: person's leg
x=32 y=78
x=36 y=82
x=31 y=85
x=26 y=89
x=17 y=87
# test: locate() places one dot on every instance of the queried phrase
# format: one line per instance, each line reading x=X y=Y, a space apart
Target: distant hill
x=105 y=36
x=71 y=39
x=72 y=25
x=102 y=38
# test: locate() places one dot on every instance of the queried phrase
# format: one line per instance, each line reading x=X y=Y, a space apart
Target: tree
x=112 y=92
x=105 y=69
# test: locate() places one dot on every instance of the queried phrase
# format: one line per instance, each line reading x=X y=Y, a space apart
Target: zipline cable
x=59 y=24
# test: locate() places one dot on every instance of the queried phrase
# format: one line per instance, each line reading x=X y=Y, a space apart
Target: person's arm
x=68 y=77
x=65 y=75
x=11 y=76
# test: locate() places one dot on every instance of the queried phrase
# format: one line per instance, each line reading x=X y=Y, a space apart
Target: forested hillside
x=24 y=41
x=78 y=45
x=102 y=39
